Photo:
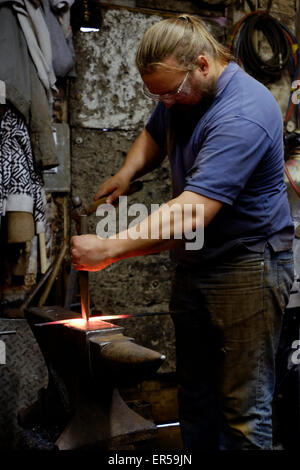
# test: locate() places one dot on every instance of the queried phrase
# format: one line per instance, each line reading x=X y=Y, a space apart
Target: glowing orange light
x=109 y=317
x=93 y=322
x=82 y=324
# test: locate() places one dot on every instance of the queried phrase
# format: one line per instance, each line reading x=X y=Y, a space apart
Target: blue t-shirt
x=234 y=155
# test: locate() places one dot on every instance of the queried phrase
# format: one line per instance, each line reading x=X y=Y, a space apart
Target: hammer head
x=76 y=201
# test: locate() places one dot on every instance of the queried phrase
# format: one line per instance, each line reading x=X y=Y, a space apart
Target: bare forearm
x=166 y=228
x=143 y=157
x=158 y=232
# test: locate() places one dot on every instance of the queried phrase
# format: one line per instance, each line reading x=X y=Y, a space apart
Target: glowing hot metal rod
x=84 y=277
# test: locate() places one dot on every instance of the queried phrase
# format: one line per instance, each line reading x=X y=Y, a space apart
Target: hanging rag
x=61 y=5
x=62 y=50
x=21 y=186
x=38 y=41
x=23 y=87
x=62 y=10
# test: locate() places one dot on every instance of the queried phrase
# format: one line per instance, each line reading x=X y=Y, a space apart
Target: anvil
x=87 y=362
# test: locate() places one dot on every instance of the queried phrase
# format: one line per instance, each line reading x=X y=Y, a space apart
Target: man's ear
x=203 y=64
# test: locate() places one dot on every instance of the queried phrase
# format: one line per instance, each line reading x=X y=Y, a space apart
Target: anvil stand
x=86 y=365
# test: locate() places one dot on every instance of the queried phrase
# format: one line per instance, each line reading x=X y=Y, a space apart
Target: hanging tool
x=59 y=259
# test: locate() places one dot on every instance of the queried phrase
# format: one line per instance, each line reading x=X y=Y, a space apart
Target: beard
x=183 y=118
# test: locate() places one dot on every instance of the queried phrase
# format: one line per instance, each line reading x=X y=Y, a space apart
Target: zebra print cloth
x=21 y=187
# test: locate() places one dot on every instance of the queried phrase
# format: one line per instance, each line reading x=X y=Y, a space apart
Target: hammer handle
x=134 y=187
x=83 y=224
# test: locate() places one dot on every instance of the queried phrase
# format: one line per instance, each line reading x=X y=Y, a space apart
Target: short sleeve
x=226 y=159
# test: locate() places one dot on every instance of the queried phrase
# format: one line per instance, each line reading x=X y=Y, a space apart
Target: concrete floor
x=157 y=400
x=168 y=438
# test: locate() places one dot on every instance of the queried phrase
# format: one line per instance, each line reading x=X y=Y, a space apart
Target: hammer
x=80 y=210
x=80 y=215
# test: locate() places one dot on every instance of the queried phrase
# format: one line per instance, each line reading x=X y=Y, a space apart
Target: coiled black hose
x=284 y=46
x=265 y=70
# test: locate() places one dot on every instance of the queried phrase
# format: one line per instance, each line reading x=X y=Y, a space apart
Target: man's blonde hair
x=183 y=38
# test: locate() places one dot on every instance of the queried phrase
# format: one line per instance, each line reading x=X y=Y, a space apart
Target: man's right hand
x=143 y=156
x=114 y=187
